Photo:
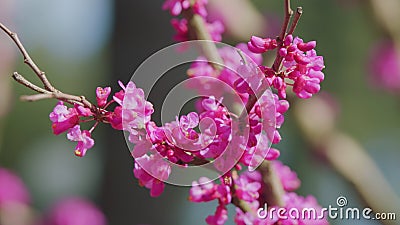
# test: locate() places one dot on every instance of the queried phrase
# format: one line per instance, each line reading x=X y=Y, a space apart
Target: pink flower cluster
x=225 y=79
x=212 y=131
x=248 y=187
x=186 y=8
x=296 y=64
x=302 y=67
x=179 y=143
x=68 y=120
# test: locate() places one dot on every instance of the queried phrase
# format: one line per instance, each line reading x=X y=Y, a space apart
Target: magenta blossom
x=301 y=65
x=385 y=67
x=220 y=216
x=151 y=172
x=289 y=179
x=75 y=211
x=203 y=191
x=181 y=26
x=136 y=111
x=83 y=138
x=102 y=95
x=294 y=201
x=176 y=7
x=12 y=188
x=63 y=118
x=247 y=189
x=227 y=79
x=261 y=45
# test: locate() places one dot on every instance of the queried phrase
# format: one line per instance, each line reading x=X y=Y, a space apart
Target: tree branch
x=345 y=155
x=296 y=19
x=22 y=80
x=49 y=90
x=27 y=59
x=273 y=190
x=199 y=30
x=288 y=15
x=242 y=205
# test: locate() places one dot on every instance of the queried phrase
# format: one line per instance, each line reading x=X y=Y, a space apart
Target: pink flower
x=292 y=201
x=151 y=172
x=301 y=64
x=102 y=95
x=250 y=78
x=63 y=118
x=75 y=211
x=220 y=216
x=215 y=28
x=247 y=218
x=199 y=7
x=176 y=6
x=385 y=67
x=181 y=26
x=82 y=111
x=115 y=118
x=247 y=189
x=227 y=80
x=189 y=121
x=224 y=194
x=261 y=45
x=83 y=138
x=203 y=191
x=119 y=96
x=136 y=111
x=289 y=179
x=12 y=188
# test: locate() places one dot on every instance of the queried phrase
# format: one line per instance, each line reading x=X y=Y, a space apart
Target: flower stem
x=273 y=190
x=199 y=31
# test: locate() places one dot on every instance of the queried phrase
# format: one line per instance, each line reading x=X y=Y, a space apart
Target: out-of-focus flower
x=74 y=211
x=12 y=189
x=384 y=67
x=14 y=200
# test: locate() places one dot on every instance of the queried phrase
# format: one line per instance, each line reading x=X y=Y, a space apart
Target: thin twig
x=296 y=19
x=36 y=97
x=288 y=15
x=49 y=90
x=60 y=96
x=22 y=80
x=27 y=59
x=281 y=38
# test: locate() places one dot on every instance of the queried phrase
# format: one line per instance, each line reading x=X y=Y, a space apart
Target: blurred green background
x=85 y=44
